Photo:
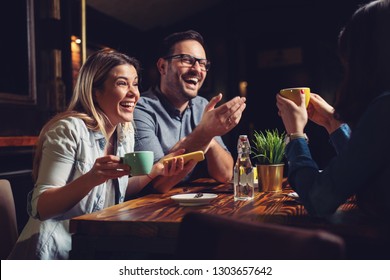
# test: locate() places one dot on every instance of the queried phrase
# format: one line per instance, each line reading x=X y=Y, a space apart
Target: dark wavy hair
x=364 y=48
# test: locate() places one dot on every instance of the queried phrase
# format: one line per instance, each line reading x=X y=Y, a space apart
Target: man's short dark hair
x=169 y=41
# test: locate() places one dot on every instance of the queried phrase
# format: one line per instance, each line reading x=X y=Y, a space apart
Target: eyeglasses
x=189 y=60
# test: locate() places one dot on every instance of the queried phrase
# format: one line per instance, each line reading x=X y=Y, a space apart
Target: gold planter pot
x=270 y=177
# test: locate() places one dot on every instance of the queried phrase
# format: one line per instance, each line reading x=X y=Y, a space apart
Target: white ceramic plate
x=293 y=194
x=189 y=199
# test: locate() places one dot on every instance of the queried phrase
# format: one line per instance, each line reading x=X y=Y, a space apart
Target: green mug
x=140 y=162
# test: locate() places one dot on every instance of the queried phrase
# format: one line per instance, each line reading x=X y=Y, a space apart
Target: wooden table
x=147 y=227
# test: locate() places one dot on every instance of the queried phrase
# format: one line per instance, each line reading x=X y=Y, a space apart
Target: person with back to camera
x=172 y=115
x=358 y=125
x=77 y=167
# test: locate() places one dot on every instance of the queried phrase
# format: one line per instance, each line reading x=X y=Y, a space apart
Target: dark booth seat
x=205 y=236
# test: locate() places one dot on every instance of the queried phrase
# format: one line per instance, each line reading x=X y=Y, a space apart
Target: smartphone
x=197 y=156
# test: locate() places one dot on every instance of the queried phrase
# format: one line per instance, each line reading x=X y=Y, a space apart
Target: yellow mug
x=294 y=94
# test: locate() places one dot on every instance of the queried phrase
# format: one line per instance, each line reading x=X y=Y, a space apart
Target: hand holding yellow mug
x=294 y=94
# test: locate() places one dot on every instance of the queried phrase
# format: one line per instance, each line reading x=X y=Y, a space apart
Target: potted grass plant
x=269 y=149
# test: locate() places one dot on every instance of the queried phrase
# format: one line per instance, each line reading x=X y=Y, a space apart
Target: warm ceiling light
x=243 y=88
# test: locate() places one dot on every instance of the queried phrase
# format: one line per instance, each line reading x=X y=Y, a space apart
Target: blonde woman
x=77 y=166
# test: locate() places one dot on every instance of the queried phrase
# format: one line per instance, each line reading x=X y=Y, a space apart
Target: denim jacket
x=69 y=151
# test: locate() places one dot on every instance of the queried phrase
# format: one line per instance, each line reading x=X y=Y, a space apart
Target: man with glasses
x=172 y=116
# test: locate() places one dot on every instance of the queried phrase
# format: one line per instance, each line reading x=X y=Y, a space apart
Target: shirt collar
x=167 y=105
x=101 y=140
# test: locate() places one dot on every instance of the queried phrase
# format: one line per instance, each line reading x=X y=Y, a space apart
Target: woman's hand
x=106 y=168
x=56 y=201
x=320 y=112
x=171 y=168
x=294 y=117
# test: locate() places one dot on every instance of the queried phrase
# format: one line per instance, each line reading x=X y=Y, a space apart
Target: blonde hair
x=82 y=105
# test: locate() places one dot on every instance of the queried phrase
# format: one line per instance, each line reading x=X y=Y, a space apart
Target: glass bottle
x=243 y=171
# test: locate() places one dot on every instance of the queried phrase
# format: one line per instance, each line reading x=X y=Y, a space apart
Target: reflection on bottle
x=243 y=171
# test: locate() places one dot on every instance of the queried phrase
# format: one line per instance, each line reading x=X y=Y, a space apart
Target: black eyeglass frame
x=181 y=56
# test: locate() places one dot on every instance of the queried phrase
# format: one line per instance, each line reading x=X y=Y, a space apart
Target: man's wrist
x=199 y=140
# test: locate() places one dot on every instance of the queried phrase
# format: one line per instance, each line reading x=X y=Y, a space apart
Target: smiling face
x=119 y=94
x=179 y=82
